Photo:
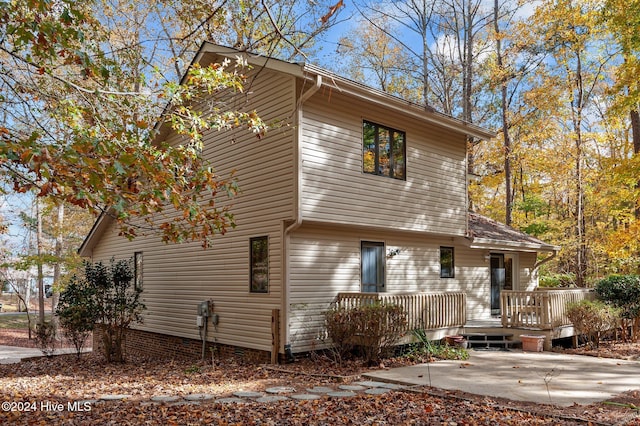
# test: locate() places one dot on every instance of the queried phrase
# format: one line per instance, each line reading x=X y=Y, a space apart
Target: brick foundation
x=158 y=345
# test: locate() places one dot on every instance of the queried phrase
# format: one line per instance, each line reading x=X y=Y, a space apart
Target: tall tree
x=500 y=65
x=83 y=93
x=623 y=19
x=415 y=18
x=569 y=31
x=376 y=58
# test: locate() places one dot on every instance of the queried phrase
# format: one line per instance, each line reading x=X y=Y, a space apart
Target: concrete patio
x=541 y=377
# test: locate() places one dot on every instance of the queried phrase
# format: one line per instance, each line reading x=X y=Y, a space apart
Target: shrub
x=117 y=303
x=592 y=319
x=341 y=332
x=76 y=313
x=623 y=292
x=375 y=329
x=46 y=337
x=558 y=280
x=107 y=296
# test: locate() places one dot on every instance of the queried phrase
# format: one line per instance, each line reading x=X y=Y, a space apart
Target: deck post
x=275 y=335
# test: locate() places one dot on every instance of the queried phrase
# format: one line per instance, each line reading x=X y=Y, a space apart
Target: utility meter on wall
x=203 y=308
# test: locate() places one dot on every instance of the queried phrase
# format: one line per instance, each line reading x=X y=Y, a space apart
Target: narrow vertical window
x=259 y=265
x=372 y=266
x=446 y=262
x=383 y=151
x=137 y=269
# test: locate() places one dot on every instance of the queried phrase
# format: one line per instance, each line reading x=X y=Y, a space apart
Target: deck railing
x=540 y=309
x=427 y=311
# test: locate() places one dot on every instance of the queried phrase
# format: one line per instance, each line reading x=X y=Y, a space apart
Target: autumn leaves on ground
x=66 y=381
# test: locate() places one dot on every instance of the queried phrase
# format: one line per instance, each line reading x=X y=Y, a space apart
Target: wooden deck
x=538 y=312
x=427 y=311
x=540 y=309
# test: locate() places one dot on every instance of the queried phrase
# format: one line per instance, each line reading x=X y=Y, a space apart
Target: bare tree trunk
x=21 y=298
x=635 y=131
x=505 y=123
x=581 y=244
x=58 y=265
x=467 y=83
x=40 y=271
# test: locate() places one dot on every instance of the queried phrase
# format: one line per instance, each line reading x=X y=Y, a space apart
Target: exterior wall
x=325 y=261
x=177 y=277
x=416 y=216
x=334 y=188
x=528 y=274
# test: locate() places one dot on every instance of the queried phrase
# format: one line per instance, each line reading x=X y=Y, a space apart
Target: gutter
x=298 y=155
x=297 y=223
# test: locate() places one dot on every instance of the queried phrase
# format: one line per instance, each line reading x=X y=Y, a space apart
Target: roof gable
x=336 y=82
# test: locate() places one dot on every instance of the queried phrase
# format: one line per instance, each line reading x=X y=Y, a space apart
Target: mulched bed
x=618 y=350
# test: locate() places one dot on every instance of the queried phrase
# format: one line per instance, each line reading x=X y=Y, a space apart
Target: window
x=137 y=270
x=259 y=265
x=372 y=265
x=383 y=151
x=446 y=262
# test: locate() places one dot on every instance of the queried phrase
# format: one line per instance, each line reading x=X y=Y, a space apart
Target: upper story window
x=383 y=151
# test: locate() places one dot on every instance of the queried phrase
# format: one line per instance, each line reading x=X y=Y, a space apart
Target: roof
x=490 y=234
x=318 y=77
x=334 y=81
x=103 y=221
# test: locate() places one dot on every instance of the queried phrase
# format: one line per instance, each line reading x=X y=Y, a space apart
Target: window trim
x=376 y=167
x=452 y=273
x=254 y=287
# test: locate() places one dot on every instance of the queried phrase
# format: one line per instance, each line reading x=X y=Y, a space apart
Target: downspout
x=297 y=154
x=545 y=260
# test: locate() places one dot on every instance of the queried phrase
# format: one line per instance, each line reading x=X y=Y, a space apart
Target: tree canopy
x=558 y=79
x=85 y=86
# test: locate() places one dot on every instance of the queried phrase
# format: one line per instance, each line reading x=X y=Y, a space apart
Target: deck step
x=505 y=343
x=476 y=340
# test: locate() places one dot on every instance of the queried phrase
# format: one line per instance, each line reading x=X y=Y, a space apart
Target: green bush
x=107 y=296
x=623 y=292
x=558 y=280
x=425 y=349
x=76 y=313
x=592 y=319
x=374 y=329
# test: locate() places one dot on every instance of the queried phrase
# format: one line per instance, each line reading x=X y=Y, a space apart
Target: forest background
x=84 y=86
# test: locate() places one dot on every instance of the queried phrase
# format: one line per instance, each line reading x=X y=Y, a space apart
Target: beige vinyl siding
x=528 y=273
x=178 y=276
x=325 y=260
x=335 y=189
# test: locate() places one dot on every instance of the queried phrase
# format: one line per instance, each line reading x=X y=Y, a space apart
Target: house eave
x=387 y=100
x=253 y=59
x=489 y=244
x=344 y=85
x=98 y=228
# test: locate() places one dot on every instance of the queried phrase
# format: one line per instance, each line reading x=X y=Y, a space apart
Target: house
x=357 y=193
